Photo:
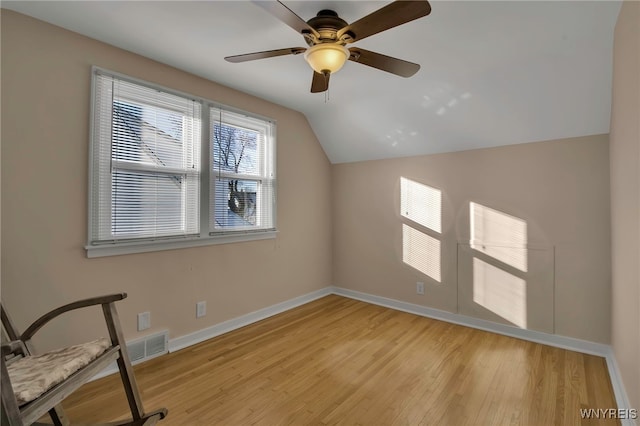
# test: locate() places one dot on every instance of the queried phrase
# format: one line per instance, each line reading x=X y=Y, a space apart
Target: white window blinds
x=145 y=181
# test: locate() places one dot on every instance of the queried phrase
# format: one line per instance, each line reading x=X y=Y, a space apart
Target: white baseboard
x=241 y=321
x=562 y=342
x=618 y=387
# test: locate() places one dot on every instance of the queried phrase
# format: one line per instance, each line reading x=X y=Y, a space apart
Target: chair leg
x=58 y=417
x=149 y=419
x=124 y=364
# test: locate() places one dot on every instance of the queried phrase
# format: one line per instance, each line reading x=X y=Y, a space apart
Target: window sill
x=150 y=246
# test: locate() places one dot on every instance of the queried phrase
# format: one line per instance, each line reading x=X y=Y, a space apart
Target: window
x=155 y=183
x=242 y=191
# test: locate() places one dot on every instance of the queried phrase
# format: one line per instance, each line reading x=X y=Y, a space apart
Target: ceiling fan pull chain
x=326 y=93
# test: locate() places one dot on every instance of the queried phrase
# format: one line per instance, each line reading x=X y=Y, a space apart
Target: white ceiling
x=493 y=73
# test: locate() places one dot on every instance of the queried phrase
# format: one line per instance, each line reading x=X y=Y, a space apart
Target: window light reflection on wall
x=421 y=203
x=421 y=251
x=499 y=235
x=500 y=292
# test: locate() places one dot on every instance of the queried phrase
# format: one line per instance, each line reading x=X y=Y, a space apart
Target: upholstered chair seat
x=32 y=376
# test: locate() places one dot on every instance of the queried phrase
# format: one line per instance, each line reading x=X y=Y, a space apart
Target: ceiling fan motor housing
x=327 y=23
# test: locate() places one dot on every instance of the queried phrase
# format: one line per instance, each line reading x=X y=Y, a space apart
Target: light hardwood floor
x=341 y=361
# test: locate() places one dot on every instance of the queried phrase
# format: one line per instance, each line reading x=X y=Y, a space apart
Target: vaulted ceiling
x=492 y=73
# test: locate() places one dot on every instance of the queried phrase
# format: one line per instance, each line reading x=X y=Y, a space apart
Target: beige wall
x=45 y=128
x=560 y=188
x=625 y=198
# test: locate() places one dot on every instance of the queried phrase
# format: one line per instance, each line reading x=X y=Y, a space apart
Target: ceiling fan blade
x=383 y=62
x=265 y=54
x=389 y=16
x=320 y=82
x=286 y=15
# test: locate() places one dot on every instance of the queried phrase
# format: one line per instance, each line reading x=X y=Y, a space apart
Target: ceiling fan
x=327 y=34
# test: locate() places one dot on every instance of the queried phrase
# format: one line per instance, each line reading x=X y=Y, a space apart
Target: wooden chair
x=33 y=385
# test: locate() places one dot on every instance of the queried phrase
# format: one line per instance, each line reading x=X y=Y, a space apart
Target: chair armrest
x=40 y=322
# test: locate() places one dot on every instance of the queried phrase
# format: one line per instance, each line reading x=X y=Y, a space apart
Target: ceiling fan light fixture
x=326 y=57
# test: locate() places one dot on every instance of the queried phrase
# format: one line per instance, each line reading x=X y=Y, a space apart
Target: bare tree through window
x=236 y=152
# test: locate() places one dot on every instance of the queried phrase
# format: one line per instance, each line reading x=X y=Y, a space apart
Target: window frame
x=206 y=236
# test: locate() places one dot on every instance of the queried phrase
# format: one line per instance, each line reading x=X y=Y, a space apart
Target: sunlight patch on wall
x=499 y=235
x=421 y=251
x=500 y=292
x=421 y=203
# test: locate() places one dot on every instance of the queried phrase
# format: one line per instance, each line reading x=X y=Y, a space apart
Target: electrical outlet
x=201 y=309
x=144 y=320
x=420 y=287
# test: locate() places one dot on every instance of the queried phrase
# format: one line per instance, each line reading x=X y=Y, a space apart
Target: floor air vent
x=140 y=350
x=148 y=347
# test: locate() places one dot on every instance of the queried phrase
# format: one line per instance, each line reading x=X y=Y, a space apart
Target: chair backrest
x=9 y=331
